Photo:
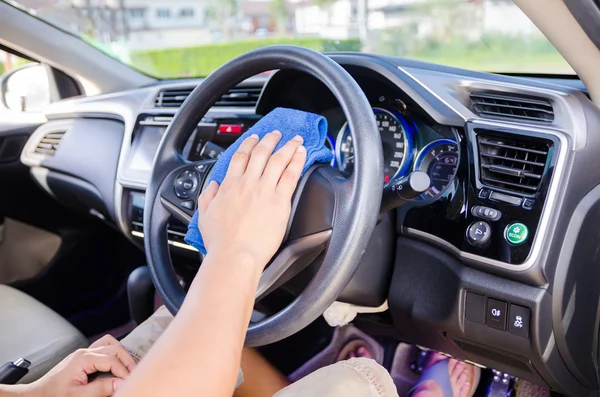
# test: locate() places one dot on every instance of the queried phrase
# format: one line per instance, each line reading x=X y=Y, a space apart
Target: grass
x=201 y=60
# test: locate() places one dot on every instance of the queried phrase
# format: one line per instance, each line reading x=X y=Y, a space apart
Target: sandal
x=440 y=374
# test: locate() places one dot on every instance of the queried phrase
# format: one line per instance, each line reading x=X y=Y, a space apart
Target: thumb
x=207 y=196
x=101 y=387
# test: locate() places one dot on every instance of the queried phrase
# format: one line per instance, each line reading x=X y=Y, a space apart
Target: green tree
x=222 y=13
x=281 y=12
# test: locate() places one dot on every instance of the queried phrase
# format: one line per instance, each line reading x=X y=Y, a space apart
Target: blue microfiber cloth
x=290 y=122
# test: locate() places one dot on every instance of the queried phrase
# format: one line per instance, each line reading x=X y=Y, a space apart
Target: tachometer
x=396 y=139
x=439 y=159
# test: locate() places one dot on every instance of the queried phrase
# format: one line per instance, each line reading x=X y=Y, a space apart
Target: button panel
x=186 y=184
x=496 y=314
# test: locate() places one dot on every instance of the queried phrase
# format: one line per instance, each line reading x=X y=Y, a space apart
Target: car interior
x=457 y=215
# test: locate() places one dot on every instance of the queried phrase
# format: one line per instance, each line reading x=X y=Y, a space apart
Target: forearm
x=206 y=338
x=17 y=391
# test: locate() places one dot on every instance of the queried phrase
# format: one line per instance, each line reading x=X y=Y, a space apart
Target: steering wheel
x=333 y=216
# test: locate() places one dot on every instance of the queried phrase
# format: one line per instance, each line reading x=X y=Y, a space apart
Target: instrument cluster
x=409 y=144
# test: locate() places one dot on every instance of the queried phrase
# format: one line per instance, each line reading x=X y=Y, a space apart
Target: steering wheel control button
x=516 y=233
x=496 y=314
x=483 y=194
x=505 y=198
x=518 y=321
x=188 y=205
x=186 y=184
x=475 y=308
x=202 y=168
x=479 y=233
x=490 y=214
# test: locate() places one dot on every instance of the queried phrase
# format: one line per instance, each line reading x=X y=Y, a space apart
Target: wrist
x=239 y=261
x=30 y=390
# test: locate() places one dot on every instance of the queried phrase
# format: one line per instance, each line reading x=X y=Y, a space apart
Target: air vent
x=172 y=98
x=235 y=97
x=516 y=164
x=49 y=143
x=240 y=97
x=514 y=107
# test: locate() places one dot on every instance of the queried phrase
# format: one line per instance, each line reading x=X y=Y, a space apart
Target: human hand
x=247 y=215
x=70 y=377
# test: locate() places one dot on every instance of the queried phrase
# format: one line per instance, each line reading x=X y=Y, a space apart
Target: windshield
x=191 y=38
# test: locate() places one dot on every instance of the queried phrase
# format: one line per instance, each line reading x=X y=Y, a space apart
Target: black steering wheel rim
x=357 y=200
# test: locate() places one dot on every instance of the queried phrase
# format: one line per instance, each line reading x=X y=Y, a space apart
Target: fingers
x=279 y=161
x=261 y=154
x=291 y=175
x=106 y=340
x=239 y=161
x=103 y=387
x=96 y=362
x=207 y=196
x=116 y=351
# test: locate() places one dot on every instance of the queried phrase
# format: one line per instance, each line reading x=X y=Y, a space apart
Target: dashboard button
x=475 y=308
x=528 y=203
x=490 y=214
x=505 y=198
x=483 y=193
x=496 y=314
x=479 y=233
x=518 y=321
x=516 y=233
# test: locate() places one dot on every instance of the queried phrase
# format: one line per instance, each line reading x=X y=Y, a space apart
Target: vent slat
x=515 y=107
x=513 y=159
x=513 y=163
x=492 y=181
x=49 y=143
x=235 y=97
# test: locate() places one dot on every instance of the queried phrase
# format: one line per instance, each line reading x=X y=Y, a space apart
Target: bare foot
x=459 y=379
x=355 y=348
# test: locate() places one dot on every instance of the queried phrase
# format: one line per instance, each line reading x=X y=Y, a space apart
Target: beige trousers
x=357 y=377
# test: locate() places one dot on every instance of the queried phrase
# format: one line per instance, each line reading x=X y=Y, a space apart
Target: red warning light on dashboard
x=230 y=128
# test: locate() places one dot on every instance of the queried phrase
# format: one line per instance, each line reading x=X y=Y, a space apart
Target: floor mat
x=25 y=251
x=329 y=355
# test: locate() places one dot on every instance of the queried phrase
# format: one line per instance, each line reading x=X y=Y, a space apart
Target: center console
x=206 y=142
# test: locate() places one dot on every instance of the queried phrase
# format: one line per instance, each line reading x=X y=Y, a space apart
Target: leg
x=261 y=379
x=357 y=377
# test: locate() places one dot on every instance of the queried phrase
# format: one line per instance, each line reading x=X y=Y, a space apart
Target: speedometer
x=439 y=159
x=396 y=139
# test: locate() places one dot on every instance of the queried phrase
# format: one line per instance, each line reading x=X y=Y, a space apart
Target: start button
x=516 y=233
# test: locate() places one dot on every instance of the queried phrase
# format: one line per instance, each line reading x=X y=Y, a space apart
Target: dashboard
x=506 y=227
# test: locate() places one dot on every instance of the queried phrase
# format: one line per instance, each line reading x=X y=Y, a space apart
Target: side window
x=24 y=85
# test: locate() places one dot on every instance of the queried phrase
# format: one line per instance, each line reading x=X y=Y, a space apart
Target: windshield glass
x=191 y=38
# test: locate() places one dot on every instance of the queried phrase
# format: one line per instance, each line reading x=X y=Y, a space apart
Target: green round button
x=516 y=233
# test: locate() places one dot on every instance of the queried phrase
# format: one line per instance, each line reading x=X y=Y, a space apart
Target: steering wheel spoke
x=291 y=259
x=181 y=188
